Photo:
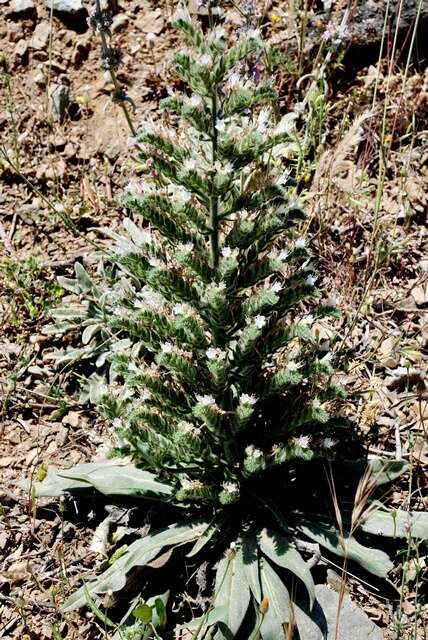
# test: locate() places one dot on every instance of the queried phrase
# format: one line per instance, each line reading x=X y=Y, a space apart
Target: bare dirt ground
x=373 y=253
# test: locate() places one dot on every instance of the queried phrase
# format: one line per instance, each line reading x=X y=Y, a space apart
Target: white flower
x=220 y=32
x=221 y=286
x=292 y=365
x=145 y=395
x=300 y=243
x=188 y=427
x=228 y=252
x=155 y=262
x=186 y=484
x=328 y=443
x=252 y=452
x=220 y=125
x=206 y=401
x=178 y=309
x=276 y=287
x=228 y=167
x=316 y=403
x=196 y=101
x=166 y=347
x=259 y=321
x=134 y=187
x=263 y=121
x=186 y=248
x=302 y=441
x=189 y=164
x=234 y=81
x=151 y=38
x=206 y=59
x=309 y=319
x=117 y=423
x=215 y=354
x=310 y=280
x=181 y=14
x=332 y=301
x=283 y=178
x=230 y=487
x=245 y=398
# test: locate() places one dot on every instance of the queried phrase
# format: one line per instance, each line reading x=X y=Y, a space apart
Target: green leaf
x=279 y=550
x=205 y=538
x=372 y=560
x=250 y=558
x=143 y=612
x=138 y=554
x=111 y=480
x=232 y=591
x=397 y=523
x=277 y=616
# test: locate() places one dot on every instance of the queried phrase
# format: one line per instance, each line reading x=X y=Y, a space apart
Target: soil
x=66 y=170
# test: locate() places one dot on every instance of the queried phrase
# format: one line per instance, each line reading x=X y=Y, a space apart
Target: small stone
x=21 y=48
x=65 y=6
x=15 y=31
x=39 y=79
x=59 y=101
x=41 y=35
x=80 y=53
x=119 y=22
x=22 y=9
x=70 y=150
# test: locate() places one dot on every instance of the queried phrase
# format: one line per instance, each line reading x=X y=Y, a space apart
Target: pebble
x=65 y=6
x=59 y=100
x=22 y=9
x=41 y=35
x=21 y=48
x=119 y=22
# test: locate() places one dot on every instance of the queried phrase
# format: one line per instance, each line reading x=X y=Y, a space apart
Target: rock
x=151 y=22
x=40 y=79
x=15 y=31
x=81 y=52
x=22 y=9
x=420 y=294
x=119 y=22
x=59 y=100
x=65 y=6
x=41 y=35
x=21 y=49
x=354 y=624
x=70 y=150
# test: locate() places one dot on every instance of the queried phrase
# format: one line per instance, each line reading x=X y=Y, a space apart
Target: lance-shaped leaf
x=396 y=523
x=372 y=560
x=276 y=601
x=250 y=558
x=232 y=592
x=111 y=480
x=138 y=554
x=279 y=550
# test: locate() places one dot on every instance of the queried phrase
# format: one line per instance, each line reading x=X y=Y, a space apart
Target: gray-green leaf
x=373 y=560
x=277 y=616
x=279 y=549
